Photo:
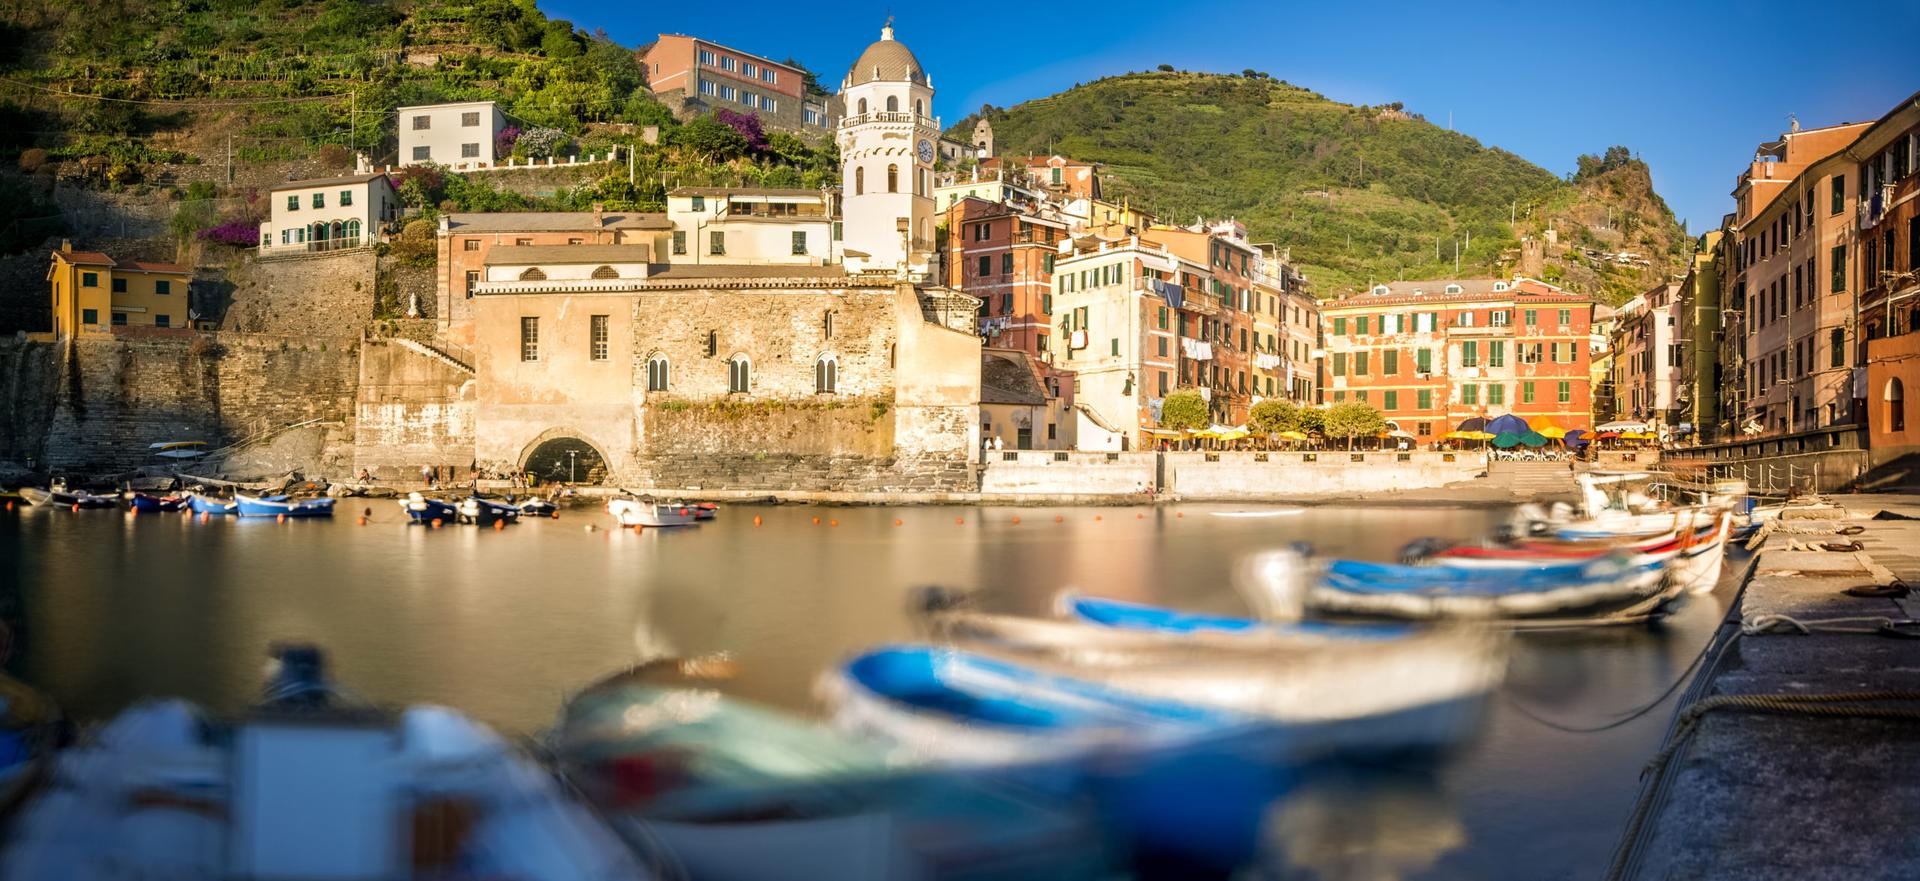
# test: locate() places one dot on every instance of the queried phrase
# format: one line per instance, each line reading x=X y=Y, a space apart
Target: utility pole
x=1456 y=256
x=229 y=158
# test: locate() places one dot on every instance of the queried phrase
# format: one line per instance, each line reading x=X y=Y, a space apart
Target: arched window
x=863 y=107
x=893 y=178
x=353 y=229
x=826 y=375
x=893 y=104
x=919 y=108
x=859 y=180
x=533 y=273
x=826 y=324
x=606 y=272
x=657 y=373
x=739 y=375
x=1453 y=289
x=1896 y=396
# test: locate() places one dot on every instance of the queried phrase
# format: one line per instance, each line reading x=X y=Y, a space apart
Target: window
x=163 y=287
x=679 y=241
x=727 y=63
x=473 y=278
x=1566 y=317
x=89 y=279
x=1470 y=353
x=1360 y=364
x=293 y=201
x=717 y=242
x=1339 y=364
x=1497 y=351
x=728 y=93
x=1056 y=176
x=1360 y=395
x=1391 y=400
x=893 y=178
x=319 y=200
x=89 y=316
x=1360 y=325
x=1339 y=396
x=1006 y=263
x=533 y=273
x=1470 y=394
x=470 y=245
x=707 y=87
x=470 y=119
x=422 y=123
x=1566 y=392
x=1423 y=360
x=893 y=104
x=1531 y=316
x=1526 y=393
x=707 y=57
x=657 y=373
x=605 y=272
x=529 y=339
x=1837 y=345
x=1390 y=362
x=422 y=153
x=1339 y=327
x=749 y=70
x=799 y=242
x=1498 y=318
x=1497 y=394
x=985 y=266
x=769 y=104
x=120 y=319
x=119 y=285
x=1162 y=346
x=470 y=151
x=767 y=75
x=1839 y=201
x=1463 y=319
x=826 y=375
x=1839 y=268
x=739 y=375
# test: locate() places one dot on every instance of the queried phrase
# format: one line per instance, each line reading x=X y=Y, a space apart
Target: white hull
x=634 y=512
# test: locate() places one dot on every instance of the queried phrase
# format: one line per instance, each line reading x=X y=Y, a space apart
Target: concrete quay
x=1793 y=754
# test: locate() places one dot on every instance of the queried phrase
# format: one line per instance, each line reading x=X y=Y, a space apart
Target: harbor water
x=505 y=624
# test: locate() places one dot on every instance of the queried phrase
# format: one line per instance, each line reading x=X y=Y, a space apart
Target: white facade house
x=887 y=154
x=458 y=136
x=722 y=225
x=329 y=214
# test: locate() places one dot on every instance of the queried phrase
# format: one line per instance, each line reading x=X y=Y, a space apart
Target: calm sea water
x=505 y=624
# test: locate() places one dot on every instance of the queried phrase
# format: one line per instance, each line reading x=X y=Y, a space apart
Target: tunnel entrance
x=566 y=460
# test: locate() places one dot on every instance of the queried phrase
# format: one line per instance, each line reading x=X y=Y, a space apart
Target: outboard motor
x=297 y=678
x=1418 y=550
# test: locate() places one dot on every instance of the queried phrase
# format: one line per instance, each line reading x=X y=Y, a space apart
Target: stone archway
x=559 y=456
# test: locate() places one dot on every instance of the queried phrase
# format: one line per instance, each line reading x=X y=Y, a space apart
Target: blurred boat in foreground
x=305 y=787
x=731 y=791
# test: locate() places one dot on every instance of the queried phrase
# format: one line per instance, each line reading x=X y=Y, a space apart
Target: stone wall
x=412 y=410
x=1326 y=473
x=115 y=396
x=30 y=380
x=313 y=296
x=1052 y=472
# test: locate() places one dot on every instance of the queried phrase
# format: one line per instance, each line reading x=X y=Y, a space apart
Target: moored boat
x=1610 y=588
x=647 y=512
x=60 y=497
x=205 y=504
x=538 y=508
x=422 y=509
x=475 y=509
x=147 y=503
x=305 y=787
x=277 y=506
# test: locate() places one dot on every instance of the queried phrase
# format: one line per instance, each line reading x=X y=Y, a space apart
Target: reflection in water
x=1352 y=824
x=505 y=625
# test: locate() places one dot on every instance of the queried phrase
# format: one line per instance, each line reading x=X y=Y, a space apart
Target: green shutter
x=1526 y=393
x=1392 y=400
x=1424 y=398
x=1423 y=361
x=1339 y=364
x=1390 y=362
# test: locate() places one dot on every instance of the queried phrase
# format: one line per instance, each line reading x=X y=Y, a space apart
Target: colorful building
x=93 y=293
x=329 y=214
x=1647 y=359
x=698 y=75
x=1003 y=254
x=1058 y=176
x=1697 y=330
x=1888 y=170
x=466 y=240
x=887 y=156
x=1432 y=354
x=746 y=225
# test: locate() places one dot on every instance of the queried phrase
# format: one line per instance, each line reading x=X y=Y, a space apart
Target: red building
x=1432 y=354
x=692 y=73
x=1004 y=255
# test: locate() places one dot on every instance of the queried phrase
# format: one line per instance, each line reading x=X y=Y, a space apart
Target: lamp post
x=570 y=458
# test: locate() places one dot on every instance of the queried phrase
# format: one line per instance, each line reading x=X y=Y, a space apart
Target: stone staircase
x=1533 y=480
x=434 y=352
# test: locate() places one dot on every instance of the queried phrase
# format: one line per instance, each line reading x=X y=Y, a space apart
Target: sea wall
x=1225 y=475
x=1052 y=472
x=412 y=409
x=1820 y=460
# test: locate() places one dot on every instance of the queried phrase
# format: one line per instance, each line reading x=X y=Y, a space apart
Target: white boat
x=301 y=789
x=647 y=512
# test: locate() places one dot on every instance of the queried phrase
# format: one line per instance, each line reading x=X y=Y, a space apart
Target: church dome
x=886 y=60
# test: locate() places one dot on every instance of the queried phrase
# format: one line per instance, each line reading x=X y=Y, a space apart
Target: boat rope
x=1760 y=624
x=1838 y=705
x=1630 y=715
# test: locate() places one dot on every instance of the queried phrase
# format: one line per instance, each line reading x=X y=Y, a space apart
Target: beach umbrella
x=1506 y=441
x=1576 y=438
x=1293 y=435
x=1606 y=435
x=1471 y=424
x=1533 y=439
x=1552 y=431
x=1479 y=435
x=1507 y=424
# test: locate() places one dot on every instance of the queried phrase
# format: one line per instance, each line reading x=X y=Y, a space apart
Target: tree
x=1351 y=419
x=747 y=124
x=1183 y=409
x=541 y=143
x=1274 y=415
x=1166 y=68
x=710 y=139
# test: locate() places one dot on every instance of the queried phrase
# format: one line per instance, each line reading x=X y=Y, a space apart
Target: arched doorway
x=565 y=459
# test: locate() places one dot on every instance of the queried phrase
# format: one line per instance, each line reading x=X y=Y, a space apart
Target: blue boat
x=1610 y=589
x=538 y=508
x=1172 y=779
x=276 y=506
x=422 y=509
x=1123 y=615
x=475 y=509
x=145 y=503
x=210 y=505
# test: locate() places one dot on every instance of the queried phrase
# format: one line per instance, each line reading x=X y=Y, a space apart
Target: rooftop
x=84 y=258
x=1005 y=378
x=743 y=191
x=1471 y=290
x=516 y=255
x=552 y=221
x=330 y=181
x=148 y=266
x=886 y=60
x=733 y=270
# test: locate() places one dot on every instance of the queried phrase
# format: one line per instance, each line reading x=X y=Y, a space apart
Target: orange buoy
x=9 y=506
x=1096 y=518
x=76 y=506
x=683 y=512
x=959 y=520
x=1016 y=518
x=279 y=518
x=756 y=519
x=556 y=515
x=898 y=522
x=499 y=524
x=1139 y=516
x=1179 y=513
x=204 y=516
x=639 y=527
x=833 y=523
x=1059 y=519
x=816 y=521
x=363 y=521
x=436 y=523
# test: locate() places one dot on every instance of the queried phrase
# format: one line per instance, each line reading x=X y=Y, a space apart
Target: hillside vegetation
x=1360 y=194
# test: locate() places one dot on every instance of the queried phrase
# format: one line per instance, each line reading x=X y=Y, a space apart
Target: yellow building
x=93 y=293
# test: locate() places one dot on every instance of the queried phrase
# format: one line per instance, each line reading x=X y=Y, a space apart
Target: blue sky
x=1691 y=86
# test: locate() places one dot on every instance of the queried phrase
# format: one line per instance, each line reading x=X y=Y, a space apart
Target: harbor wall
x=1055 y=472
x=411 y=410
x=1819 y=460
x=1224 y=475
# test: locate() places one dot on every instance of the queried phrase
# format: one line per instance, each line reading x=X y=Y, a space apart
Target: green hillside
x=1360 y=194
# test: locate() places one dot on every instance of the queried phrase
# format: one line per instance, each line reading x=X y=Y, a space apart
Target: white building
x=329 y=214
x=742 y=226
x=887 y=155
x=458 y=136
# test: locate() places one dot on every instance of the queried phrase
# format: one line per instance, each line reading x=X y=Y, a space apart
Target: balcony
x=885 y=116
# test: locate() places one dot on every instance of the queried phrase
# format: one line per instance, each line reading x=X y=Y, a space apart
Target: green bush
x=1184 y=409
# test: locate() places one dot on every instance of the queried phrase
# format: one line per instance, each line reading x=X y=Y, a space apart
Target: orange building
x=1432 y=354
x=1888 y=218
x=466 y=239
x=690 y=72
x=1058 y=176
x=1004 y=255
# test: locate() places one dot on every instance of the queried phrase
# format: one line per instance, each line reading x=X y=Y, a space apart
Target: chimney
x=599 y=220
x=66 y=247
